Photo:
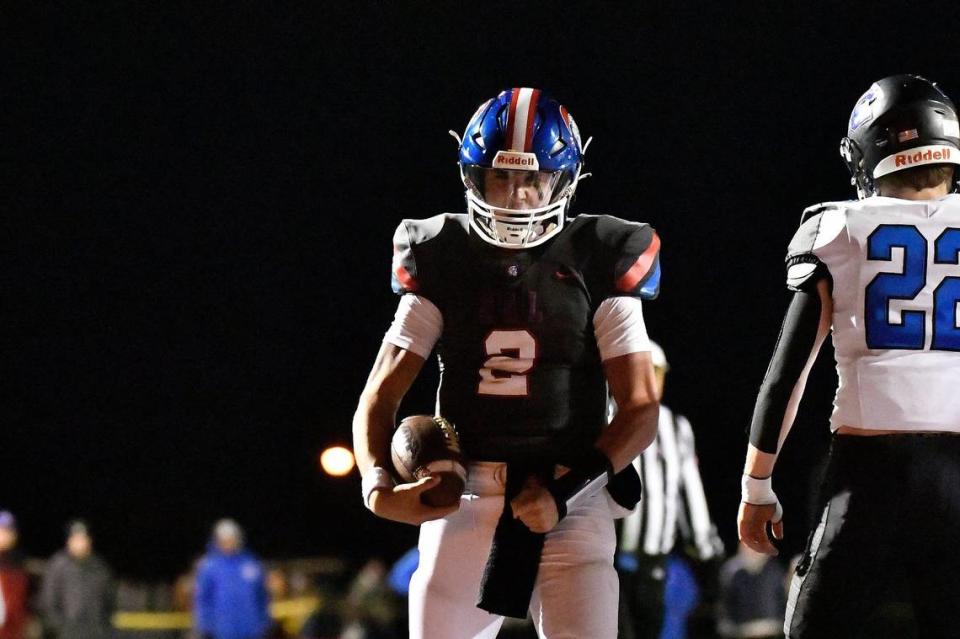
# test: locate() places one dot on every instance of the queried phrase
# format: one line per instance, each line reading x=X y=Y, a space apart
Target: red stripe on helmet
x=531 y=113
x=511 y=116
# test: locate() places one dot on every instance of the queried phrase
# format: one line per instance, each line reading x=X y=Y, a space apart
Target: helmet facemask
x=517 y=208
x=859 y=178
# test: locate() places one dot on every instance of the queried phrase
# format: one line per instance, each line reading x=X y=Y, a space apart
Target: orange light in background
x=337 y=461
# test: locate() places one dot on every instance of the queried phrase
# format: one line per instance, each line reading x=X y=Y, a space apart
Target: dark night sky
x=199 y=205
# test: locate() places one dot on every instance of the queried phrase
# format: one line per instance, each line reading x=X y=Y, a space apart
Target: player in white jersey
x=882 y=273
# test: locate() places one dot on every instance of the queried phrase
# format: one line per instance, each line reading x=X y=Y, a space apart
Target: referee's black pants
x=891 y=521
x=642 y=598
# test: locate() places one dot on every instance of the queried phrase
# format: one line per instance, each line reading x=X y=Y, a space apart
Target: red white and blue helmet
x=521 y=129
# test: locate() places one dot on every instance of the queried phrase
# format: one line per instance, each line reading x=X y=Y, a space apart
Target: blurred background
x=200 y=201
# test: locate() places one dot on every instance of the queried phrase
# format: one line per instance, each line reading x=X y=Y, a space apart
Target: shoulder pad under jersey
x=811 y=211
x=819 y=224
x=413 y=243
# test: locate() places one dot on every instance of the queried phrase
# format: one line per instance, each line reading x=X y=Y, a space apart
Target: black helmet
x=902 y=121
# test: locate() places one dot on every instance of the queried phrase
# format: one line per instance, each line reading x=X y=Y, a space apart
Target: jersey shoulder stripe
x=646 y=270
x=634 y=249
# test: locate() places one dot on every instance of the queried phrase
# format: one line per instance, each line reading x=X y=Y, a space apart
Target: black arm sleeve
x=797 y=337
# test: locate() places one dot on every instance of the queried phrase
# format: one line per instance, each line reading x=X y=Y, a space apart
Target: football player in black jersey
x=532 y=314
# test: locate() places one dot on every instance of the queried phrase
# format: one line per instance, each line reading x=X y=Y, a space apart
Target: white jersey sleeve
x=417 y=325
x=896 y=289
x=619 y=327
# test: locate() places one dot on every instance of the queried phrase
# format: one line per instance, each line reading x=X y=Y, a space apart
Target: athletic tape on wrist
x=759 y=492
x=375 y=479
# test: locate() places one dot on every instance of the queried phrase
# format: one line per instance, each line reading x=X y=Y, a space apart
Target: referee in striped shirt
x=673 y=501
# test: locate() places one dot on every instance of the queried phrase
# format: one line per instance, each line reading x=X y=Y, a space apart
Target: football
x=428 y=445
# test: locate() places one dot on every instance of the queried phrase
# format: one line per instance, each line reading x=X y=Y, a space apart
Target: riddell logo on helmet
x=920 y=157
x=516 y=160
x=917 y=156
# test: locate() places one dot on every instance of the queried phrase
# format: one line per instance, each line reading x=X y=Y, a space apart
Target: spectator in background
x=78 y=591
x=278 y=590
x=230 y=600
x=371 y=606
x=14 y=582
x=753 y=598
x=673 y=502
x=325 y=622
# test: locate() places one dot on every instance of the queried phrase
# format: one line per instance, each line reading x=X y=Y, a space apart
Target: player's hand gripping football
x=402 y=502
x=535 y=507
x=752 y=520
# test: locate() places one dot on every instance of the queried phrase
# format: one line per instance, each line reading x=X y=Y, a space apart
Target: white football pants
x=576 y=592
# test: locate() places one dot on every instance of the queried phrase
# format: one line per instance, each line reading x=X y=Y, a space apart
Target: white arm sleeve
x=619 y=327
x=416 y=326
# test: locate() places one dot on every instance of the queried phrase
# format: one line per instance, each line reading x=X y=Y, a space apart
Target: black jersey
x=521 y=375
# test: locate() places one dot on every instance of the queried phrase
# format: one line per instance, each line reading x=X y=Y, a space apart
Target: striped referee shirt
x=673 y=498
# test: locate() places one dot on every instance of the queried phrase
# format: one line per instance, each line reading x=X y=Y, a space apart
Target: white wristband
x=759 y=492
x=375 y=479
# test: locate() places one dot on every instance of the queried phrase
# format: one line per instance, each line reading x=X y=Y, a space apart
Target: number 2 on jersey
x=510 y=356
x=910 y=333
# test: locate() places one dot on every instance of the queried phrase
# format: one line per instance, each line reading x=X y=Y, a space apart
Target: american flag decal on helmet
x=909 y=134
x=520 y=117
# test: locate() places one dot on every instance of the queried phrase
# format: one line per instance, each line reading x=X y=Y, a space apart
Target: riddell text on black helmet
x=925 y=157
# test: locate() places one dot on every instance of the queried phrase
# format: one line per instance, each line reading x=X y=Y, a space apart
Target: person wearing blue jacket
x=230 y=600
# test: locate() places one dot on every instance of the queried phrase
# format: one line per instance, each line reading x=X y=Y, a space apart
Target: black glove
x=591 y=473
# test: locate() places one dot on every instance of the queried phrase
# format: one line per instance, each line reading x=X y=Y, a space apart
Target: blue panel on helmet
x=554 y=138
x=483 y=136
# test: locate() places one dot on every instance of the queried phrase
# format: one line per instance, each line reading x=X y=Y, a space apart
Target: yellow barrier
x=287 y=609
x=152 y=620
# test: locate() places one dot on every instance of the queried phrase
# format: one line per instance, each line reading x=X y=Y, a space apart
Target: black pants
x=641 y=598
x=891 y=521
